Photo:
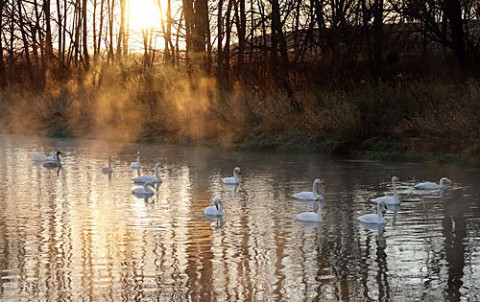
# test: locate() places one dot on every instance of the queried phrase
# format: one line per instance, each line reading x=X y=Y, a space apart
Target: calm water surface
x=76 y=234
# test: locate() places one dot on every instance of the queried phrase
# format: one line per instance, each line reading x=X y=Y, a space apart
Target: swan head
x=319 y=198
x=384 y=207
x=157 y=165
x=319 y=181
x=237 y=171
x=445 y=180
x=217 y=203
x=395 y=178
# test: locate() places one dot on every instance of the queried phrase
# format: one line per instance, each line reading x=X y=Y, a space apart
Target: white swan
x=309 y=195
x=389 y=199
x=154 y=179
x=428 y=185
x=108 y=169
x=312 y=216
x=39 y=157
x=145 y=190
x=216 y=209
x=136 y=164
x=233 y=180
x=53 y=161
x=374 y=218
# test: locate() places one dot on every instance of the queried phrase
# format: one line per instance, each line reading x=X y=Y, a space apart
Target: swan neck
x=395 y=193
x=314 y=190
x=379 y=211
x=319 y=210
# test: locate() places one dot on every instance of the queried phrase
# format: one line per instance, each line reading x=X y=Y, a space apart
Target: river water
x=76 y=234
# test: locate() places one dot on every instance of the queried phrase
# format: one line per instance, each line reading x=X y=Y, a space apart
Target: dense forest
x=342 y=76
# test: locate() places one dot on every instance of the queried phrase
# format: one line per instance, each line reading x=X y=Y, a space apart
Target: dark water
x=76 y=234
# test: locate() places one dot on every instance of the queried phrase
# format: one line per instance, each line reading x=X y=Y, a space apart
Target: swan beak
x=216 y=206
x=322 y=182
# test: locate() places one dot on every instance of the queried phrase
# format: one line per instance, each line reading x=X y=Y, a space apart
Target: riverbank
x=420 y=120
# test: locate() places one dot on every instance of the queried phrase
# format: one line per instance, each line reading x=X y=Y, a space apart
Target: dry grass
x=130 y=103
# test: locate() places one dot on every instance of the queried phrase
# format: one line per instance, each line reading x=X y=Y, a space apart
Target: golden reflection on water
x=77 y=234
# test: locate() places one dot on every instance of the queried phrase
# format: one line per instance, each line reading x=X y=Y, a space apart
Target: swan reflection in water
x=379 y=266
x=378 y=230
x=393 y=208
x=316 y=216
x=218 y=220
x=231 y=189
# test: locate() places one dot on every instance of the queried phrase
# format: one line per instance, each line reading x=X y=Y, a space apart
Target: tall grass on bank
x=130 y=104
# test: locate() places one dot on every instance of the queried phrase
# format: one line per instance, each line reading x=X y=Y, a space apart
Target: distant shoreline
x=433 y=121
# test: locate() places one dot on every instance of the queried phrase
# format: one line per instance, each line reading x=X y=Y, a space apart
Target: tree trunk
x=121 y=30
x=3 y=81
x=200 y=33
x=26 y=44
x=86 y=57
x=61 y=53
x=242 y=32
x=277 y=34
x=48 y=34
x=111 y=15
x=453 y=11
x=378 y=40
x=98 y=43
x=220 y=66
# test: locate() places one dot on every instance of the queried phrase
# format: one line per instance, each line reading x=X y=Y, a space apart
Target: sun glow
x=144 y=14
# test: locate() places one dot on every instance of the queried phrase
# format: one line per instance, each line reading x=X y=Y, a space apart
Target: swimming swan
x=389 y=199
x=374 y=218
x=108 y=169
x=149 y=178
x=53 y=162
x=136 y=164
x=216 y=209
x=145 y=190
x=312 y=216
x=309 y=195
x=233 y=180
x=39 y=157
x=428 y=185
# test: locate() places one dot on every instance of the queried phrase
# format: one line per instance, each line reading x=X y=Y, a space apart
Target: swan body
x=136 y=164
x=216 y=209
x=312 y=216
x=374 y=218
x=108 y=169
x=37 y=156
x=233 y=180
x=309 y=195
x=389 y=199
x=53 y=161
x=149 y=178
x=428 y=185
x=145 y=190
